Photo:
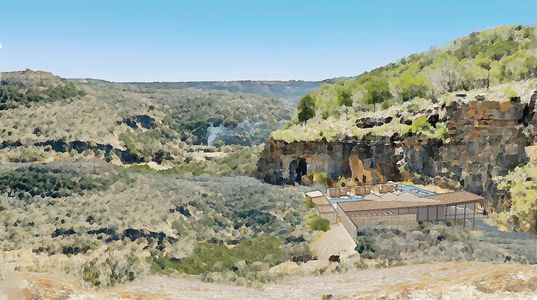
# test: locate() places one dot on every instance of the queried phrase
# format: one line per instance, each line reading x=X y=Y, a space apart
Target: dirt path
x=335 y=241
x=426 y=281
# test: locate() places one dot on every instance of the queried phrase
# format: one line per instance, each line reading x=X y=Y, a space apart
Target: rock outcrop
x=486 y=139
x=368 y=160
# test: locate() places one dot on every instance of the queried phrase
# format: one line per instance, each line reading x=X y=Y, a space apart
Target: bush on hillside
x=521 y=212
x=431 y=242
x=217 y=257
x=317 y=223
x=13 y=95
x=117 y=265
x=25 y=183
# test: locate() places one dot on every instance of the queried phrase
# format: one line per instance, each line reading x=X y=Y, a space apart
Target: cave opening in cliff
x=297 y=168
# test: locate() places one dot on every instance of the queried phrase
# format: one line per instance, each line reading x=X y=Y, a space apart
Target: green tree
x=411 y=87
x=485 y=63
x=344 y=98
x=378 y=90
x=306 y=108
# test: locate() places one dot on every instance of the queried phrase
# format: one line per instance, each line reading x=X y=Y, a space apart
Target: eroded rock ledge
x=486 y=139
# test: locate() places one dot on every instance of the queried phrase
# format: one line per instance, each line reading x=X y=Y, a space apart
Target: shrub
x=510 y=93
x=13 y=95
x=190 y=210
x=308 y=203
x=317 y=223
x=117 y=265
x=365 y=245
x=45 y=182
x=217 y=257
x=439 y=242
x=521 y=183
x=441 y=132
x=419 y=125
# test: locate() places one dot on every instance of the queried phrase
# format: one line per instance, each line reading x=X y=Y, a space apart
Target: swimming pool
x=416 y=191
x=345 y=199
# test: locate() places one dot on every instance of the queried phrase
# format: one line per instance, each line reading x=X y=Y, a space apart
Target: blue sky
x=159 y=40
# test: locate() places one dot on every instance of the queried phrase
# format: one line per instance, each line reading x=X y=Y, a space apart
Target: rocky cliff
x=486 y=139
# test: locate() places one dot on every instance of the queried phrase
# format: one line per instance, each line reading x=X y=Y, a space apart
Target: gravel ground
x=468 y=280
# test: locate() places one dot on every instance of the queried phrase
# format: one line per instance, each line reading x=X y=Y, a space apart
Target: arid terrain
x=425 y=281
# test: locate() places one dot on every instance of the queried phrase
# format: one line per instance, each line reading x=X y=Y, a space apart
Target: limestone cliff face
x=486 y=139
x=366 y=160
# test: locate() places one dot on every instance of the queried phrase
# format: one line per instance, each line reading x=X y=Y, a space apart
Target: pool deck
x=406 y=193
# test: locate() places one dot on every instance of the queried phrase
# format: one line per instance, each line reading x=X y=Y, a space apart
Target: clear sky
x=129 y=40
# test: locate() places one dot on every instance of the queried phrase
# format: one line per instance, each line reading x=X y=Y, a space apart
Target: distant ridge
x=290 y=90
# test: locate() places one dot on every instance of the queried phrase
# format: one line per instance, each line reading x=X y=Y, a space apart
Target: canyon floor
x=468 y=280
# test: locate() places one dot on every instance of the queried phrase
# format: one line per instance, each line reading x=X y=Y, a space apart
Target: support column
x=473 y=219
x=464 y=217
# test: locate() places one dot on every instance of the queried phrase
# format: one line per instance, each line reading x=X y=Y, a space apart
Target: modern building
x=396 y=205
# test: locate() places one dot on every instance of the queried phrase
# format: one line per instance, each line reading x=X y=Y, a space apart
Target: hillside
x=45 y=115
x=287 y=90
x=479 y=61
x=460 y=116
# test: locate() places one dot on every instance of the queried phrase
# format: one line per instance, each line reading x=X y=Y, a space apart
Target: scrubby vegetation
x=130 y=123
x=78 y=220
x=16 y=93
x=480 y=61
x=25 y=183
x=438 y=242
x=217 y=257
x=233 y=161
x=519 y=211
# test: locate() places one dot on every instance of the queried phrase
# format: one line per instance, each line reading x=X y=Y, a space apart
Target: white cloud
x=0 y=45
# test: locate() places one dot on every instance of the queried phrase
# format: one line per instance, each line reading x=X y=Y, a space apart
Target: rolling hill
x=286 y=90
x=43 y=114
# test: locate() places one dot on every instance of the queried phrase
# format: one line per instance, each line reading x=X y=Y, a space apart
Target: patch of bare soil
x=336 y=241
x=472 y=280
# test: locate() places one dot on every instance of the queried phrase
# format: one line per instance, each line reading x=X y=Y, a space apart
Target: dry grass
x=426 y=281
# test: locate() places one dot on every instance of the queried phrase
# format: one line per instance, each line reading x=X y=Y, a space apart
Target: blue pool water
x=416 y=191
x=345 y=199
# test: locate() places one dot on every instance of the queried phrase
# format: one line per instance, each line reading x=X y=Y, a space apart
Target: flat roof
x=447 y=199
x=456 y=197
x=314 y=194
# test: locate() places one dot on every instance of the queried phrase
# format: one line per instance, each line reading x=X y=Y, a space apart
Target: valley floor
x=468 y=280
